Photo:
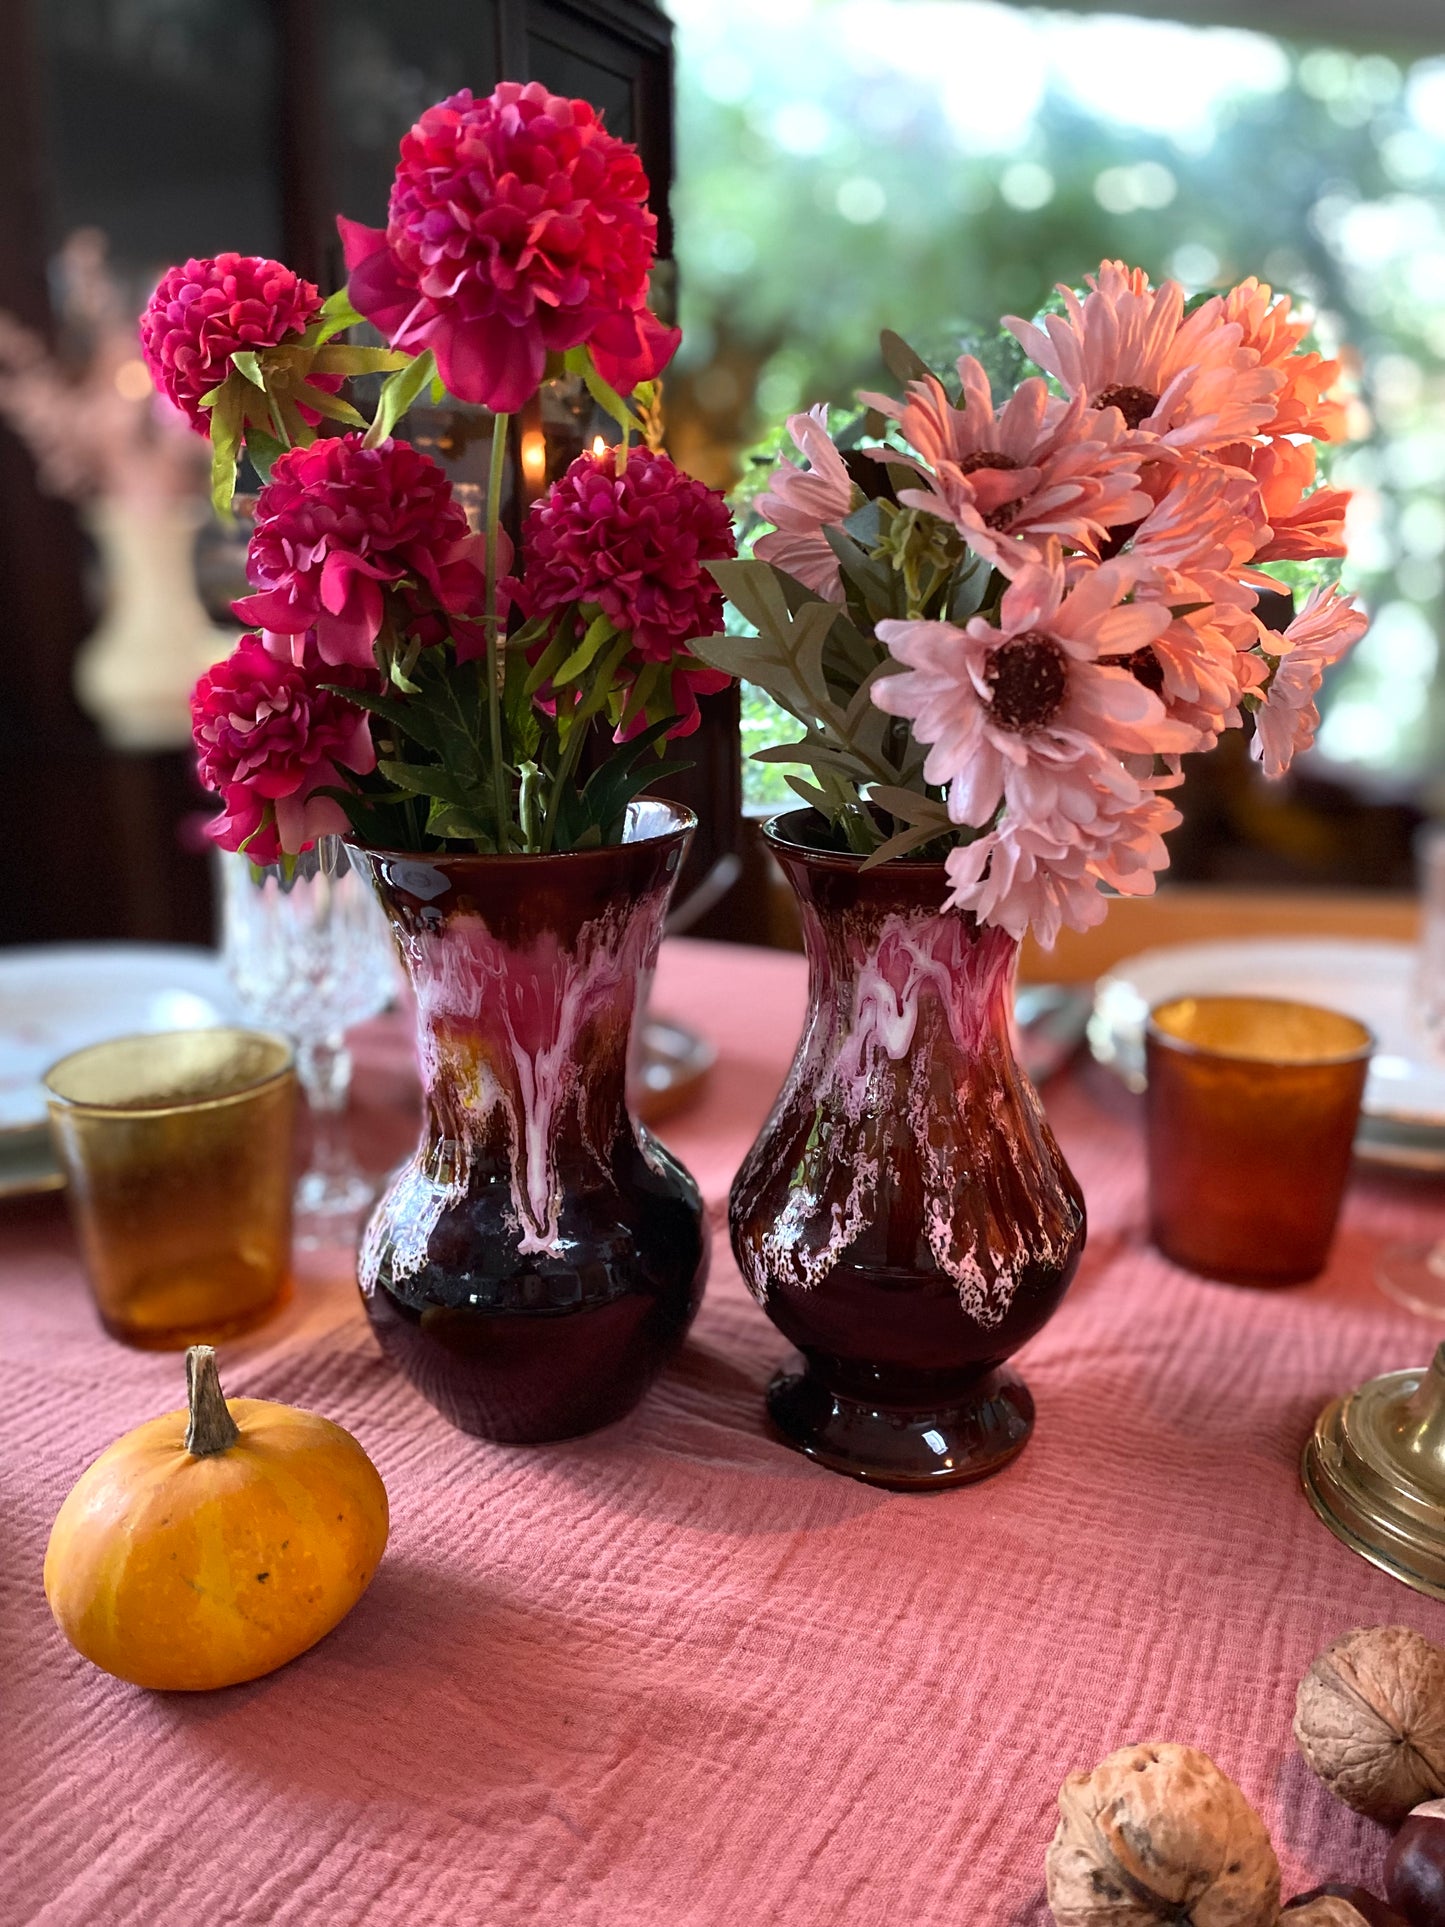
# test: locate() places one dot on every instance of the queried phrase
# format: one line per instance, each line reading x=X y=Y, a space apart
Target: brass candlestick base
x=1374 y=1471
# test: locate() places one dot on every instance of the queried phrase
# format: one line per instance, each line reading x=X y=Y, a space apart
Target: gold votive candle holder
x=1251 y=1108
x=178 y=1151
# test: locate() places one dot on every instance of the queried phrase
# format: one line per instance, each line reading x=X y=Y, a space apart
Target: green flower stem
x=500 y=786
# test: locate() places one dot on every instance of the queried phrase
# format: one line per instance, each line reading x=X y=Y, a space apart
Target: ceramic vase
x=906 y=1217
x=541 y=1256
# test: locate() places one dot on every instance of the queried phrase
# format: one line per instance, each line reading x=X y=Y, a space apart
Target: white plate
x=1375 y=982
x=55 y=999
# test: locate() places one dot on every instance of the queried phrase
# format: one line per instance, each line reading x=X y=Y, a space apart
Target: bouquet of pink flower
x=403 y=680
x=1001 y=627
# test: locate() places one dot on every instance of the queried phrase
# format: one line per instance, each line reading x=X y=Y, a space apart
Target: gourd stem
x=212 y=1429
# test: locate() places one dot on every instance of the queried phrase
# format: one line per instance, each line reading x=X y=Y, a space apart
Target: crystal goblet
x=308 y=953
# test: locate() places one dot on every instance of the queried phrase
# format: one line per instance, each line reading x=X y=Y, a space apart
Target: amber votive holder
x=178 y=1151
x=1252 y=1105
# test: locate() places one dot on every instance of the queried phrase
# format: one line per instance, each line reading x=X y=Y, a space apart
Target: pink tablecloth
x=674 y=1676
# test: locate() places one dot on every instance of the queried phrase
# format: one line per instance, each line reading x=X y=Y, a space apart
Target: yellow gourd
x=212 y=1545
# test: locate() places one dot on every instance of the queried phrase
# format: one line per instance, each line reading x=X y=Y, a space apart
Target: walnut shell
x=1370 y=1719
x=1158 y=1833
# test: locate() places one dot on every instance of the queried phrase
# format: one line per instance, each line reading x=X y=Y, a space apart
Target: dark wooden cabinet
x=203 y=125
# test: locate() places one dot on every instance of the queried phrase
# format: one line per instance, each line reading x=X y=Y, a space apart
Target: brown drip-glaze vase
x=905 y=1217
x=541 y=1256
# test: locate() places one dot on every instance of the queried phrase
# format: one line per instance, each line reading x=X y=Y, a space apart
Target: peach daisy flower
x=1189 y=379
x=1305 y=403
x=1305 y=523
x=1017 y=712
x=802 y=502
x=1202 y=529
x=1010 y=480
x=1285 y=725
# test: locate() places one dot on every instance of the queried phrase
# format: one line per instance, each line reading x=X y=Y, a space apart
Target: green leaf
x=332 y=406
x=600 y=632
x=968 y=590
x=411 y=719
x=263 y=450
x=245 y=363
x=524 y=725
x=398 y=393
x=458 y=823
x=865 y=524
x=901 y=361
x=343 y=359
x=578 y=361
x=426 y=779
x=903 y=843
x=225 y=444
x=810 y=793
x=337 y=315
x=879 y=586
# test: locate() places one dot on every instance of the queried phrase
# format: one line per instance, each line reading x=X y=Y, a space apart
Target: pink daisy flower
x=1322 y=632
x=1011 y=480
x=802 y=502
x=1305 y=403
x=1189 y=379
x=1017 y=713
x=1043 y=873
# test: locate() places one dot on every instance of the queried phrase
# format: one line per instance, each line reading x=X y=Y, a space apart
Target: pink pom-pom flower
x=633 y=546
x=517 y=225
x=339 y=528
x=268 y=737
x=204 y=311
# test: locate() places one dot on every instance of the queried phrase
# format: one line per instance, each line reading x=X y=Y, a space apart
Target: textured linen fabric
x=674 y=1675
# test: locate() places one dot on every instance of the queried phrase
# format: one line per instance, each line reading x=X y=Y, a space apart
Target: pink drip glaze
x=499 y=1037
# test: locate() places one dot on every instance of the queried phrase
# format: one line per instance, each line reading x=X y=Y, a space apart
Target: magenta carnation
x=267 y=739
x=517 y=224
x=339 y=526
x=203 y=312
x=634 y=545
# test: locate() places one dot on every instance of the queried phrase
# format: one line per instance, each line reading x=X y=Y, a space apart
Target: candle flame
x=534 y=455
x=132 y=380
x=599 y=445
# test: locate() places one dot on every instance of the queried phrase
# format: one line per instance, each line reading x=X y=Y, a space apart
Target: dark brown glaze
x=906 y=1217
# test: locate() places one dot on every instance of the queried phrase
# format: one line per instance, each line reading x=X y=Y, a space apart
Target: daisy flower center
x=1134 y=404
x=1027 y=679
x=1143 y=665
x=1000 y=517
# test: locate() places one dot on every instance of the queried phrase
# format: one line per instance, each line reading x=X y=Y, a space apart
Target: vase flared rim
x=681 y=822
x=776 y=835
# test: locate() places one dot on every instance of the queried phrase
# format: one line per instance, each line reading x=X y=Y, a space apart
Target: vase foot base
x=905 y=1451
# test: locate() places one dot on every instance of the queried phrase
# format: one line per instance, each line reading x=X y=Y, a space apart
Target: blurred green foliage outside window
x=929 y=165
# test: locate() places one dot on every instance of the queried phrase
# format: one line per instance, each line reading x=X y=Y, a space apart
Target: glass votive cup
x=178 y=1151
x=1251 y=1110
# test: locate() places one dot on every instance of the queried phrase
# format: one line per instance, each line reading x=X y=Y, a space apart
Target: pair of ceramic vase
x=905 y=1217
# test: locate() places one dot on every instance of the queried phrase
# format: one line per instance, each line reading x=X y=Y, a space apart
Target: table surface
x=673 y=1675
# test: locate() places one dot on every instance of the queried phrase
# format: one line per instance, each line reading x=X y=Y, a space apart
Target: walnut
x=1370 y=1719
x=1158 y=1833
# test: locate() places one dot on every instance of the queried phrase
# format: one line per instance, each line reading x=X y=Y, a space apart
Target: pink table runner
x=673 y=1675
